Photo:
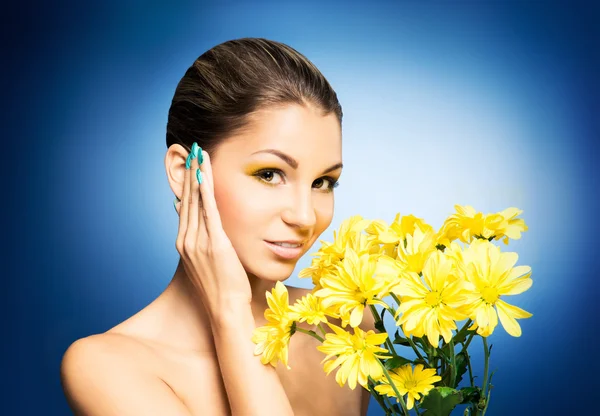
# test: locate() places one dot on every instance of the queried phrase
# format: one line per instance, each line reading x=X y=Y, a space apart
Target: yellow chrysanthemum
x=419 y=246
x=490 y=275
x=353 y=286
x=330 y=254
x=310 y=309
x=468 y=224
x=272 y=342
x=429 y=303
x=356 y=355
x=320 y=265
x=348 y=235
x=510 y=227
x=279 y=311
x=379 y=232
x=417 y=383
x=391 y=236
x=273 y=339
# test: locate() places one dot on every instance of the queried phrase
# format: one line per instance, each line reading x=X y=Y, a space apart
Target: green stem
x=470 y=369
x=417 y=408
x=311 y=333
x=468 y=342
x=487 y=400
x=389 y=379
x=442 y=366
x=388 y=403
x=468 y=323
x=322 y=329
x=452 y=364
x=414 y=347
x=381 y=399
x=388 y=342
x=486 y=365
x=395 y=298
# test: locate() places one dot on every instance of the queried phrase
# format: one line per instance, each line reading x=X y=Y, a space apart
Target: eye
x=331 y=183
x=267 y=175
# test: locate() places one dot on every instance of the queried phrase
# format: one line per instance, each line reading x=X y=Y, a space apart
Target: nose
x=301 y=211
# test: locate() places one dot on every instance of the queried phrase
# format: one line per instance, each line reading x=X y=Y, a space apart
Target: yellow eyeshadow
x=253 y=168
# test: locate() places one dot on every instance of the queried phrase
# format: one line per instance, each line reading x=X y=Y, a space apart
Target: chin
x=272 y=271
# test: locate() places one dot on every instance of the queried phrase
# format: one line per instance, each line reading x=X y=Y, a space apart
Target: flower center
x=359 y=344
x=433 y=299
x=490 y=295
x=410 y=384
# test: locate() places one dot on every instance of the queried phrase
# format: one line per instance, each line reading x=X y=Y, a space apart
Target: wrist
x=231 y=316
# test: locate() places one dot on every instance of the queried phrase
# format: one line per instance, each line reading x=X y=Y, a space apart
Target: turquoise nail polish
x=200 y=157
x=175 y=204
x=188 y=162
x=199 y=176
x=195 y=150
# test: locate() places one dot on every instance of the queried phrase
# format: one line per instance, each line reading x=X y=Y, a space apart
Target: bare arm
x=213 y=267
x=98 y=381
x=252 y=387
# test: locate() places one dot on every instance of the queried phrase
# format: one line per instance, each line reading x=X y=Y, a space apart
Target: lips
x=296 y=242
x=286 y=252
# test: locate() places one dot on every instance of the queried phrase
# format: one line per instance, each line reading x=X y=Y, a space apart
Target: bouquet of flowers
x=442 y=289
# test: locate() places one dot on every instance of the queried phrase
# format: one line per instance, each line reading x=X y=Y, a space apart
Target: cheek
x=324 y=212
x=238 y=207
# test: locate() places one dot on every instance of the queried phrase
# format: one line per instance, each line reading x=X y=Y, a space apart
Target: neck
x=184 y=318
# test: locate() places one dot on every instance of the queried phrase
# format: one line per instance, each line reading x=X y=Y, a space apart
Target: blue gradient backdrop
x=489 y=105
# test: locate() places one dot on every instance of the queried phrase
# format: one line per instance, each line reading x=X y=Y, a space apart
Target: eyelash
x=332 y=181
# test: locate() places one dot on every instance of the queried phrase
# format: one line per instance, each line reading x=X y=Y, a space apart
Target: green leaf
x=471 y=394
x=461 y=336
x=380 y=326
x=441 y=401
x=396 y=362
x=461 y=366
x=400 y=340
x=421 y=343
x=371 y=384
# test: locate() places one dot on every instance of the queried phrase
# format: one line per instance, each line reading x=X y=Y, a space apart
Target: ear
x=175 y=166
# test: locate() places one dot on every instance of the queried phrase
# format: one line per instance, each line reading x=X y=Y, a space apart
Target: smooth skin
x=190 y=351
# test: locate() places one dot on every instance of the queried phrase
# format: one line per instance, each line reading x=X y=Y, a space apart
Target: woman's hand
x=213 y=267
x=209 y=259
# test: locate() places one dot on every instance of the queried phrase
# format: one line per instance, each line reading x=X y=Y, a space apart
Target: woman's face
x=274 y=183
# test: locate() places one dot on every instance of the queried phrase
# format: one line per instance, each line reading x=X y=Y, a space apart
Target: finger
x=211 y=216
x=202 y=235
x=192 y=231
x=184 y=206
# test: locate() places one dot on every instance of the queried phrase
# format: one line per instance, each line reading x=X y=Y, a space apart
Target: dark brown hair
x=227 y=84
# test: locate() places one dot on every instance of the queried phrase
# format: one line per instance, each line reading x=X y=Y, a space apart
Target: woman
x=254 y=196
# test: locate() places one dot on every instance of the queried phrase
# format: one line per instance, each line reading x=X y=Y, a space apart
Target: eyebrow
x=293 y=162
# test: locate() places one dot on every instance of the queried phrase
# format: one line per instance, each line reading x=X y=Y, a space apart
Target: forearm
x=252 y=387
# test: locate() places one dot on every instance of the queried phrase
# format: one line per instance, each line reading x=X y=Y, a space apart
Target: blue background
x=444 y=103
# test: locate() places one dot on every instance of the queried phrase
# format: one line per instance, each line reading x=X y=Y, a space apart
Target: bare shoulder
x=101 y=375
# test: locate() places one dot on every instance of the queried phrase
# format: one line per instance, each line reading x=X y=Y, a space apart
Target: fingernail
x=200 y=157
x=191 y=156
x=188 y=162
x=195 y=150
x=175 y=201
x=199 y=176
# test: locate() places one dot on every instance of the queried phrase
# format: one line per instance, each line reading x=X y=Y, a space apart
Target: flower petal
x=507 y=314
